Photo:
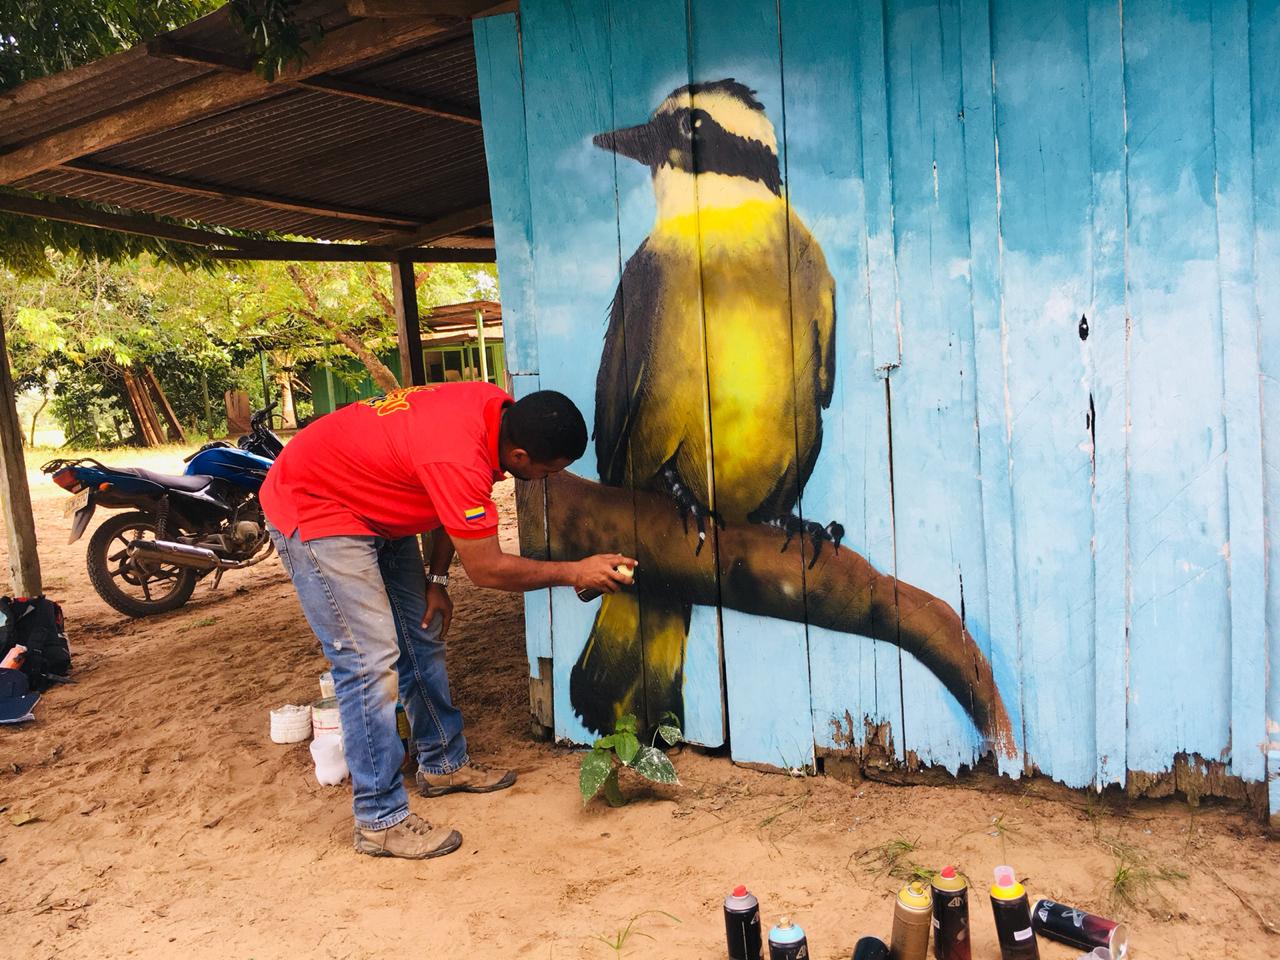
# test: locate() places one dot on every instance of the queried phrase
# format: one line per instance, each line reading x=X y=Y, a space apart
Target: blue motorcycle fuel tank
x=239 y=467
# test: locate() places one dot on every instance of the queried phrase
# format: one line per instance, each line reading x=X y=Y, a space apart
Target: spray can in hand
x=586 y=594
x=951 y=916
x=742 y=924
x=1013 y=917
x=912 y=916
x=787 y=942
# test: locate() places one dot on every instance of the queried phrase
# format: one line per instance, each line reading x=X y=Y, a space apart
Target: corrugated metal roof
x=295 y=159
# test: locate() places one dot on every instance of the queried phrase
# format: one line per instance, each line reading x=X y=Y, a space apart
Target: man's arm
x=488 y=566
x=441 y=552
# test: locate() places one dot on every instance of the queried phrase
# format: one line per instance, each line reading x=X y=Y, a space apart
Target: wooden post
x=15 y=497
x=404 y=286
x=484 y=361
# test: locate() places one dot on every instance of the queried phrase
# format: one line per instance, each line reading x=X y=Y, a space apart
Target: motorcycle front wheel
x=134 y=590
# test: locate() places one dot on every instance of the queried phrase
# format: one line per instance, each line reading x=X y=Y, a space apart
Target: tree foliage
x=39 y=38
x=73 y=331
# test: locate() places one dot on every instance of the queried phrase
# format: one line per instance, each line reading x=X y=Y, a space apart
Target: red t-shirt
x=394 y=466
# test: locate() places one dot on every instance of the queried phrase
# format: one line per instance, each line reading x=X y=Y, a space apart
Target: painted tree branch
x=841 y=592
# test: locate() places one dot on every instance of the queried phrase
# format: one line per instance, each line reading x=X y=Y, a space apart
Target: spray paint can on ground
x=1068 y=925
x=787 y=942
x=951 y=916
x=912 y=917
x=742 y=924
x=870 y=948
x=1013 y=917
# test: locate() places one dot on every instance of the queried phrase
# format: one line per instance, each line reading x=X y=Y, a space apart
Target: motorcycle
x=181 y=528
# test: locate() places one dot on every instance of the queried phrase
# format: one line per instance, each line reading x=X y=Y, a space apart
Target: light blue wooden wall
x=1054 y=229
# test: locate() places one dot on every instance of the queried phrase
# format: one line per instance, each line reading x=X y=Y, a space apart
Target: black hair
x=547 y=425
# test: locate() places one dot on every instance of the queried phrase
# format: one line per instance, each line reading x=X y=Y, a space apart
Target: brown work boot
x=473 y=778
x=412 y=838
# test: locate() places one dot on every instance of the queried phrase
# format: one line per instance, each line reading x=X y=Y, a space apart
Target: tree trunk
x=379 y=371
x=842 y=591
x=44 y=402
x=288 y=413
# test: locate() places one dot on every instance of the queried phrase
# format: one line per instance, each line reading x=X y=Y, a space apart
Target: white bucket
x=290 y=723
x=324 y=717
x=326 y=684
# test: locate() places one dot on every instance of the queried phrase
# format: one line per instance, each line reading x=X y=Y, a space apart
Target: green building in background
x=460 y=341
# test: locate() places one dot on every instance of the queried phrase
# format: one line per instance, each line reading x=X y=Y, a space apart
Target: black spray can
x=787 y=942
x=871 y=948
x=1076 y=928
x=1013 y=917
x=742 y=924
x=951 y=916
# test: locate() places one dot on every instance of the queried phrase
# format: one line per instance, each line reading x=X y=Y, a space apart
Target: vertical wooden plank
x=851 y=479
x=1264 y=52
x=15 y=497
x=937 y=492
x=1046 y=189
x=1003 y=645
x=572 y=199
x=1242 y=407
x=500 y=73
x=877 y=178
x=750 y=366
x=1179 y=660
x=1107 y=358
x=533 y=543
x=649 y=45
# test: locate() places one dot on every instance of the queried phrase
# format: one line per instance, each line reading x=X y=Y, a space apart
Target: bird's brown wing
x=624 y=362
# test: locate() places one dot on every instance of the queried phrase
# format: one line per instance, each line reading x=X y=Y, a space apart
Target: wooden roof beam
x=224 y=247
x=239 y=194
x=170 y=49
x=123 y=222
x=174 y=106
x=369 y=93
x=447 y=226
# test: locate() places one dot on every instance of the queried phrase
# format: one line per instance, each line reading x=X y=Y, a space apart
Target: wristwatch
x=441 y=578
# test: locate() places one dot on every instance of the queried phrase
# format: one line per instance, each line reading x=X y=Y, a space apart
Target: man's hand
x=599 y=573
x=438 y=601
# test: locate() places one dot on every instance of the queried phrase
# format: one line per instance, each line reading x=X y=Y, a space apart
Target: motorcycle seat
x=184 y=482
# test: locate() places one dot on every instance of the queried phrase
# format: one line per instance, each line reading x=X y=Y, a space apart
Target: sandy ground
x=169 y=824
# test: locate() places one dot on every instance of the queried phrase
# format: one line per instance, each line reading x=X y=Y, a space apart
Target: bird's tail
x=624 y=669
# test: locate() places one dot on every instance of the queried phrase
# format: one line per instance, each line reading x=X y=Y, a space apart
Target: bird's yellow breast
x=728 y=301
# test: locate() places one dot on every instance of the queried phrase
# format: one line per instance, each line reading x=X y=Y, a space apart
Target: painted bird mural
x=723 y=323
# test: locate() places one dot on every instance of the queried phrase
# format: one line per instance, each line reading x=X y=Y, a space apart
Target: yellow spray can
x=912 y=917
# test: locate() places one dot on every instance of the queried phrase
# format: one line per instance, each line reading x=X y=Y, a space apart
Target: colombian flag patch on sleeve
x=472 y=514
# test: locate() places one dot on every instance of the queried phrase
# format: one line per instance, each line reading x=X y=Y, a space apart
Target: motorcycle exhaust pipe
x=181 y=555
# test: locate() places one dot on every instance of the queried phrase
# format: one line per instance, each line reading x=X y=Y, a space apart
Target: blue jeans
x=365 y=598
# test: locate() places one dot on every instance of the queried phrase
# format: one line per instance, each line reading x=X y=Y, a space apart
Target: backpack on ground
x=37 y=624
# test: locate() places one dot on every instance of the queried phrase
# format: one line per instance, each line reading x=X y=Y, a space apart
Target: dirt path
x=170 y=825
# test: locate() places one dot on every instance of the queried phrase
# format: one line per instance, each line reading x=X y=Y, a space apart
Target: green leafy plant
x=598 y=773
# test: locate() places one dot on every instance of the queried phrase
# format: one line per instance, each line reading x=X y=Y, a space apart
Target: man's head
x=541 y=434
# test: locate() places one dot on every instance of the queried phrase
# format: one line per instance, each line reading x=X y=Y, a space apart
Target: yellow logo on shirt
x=472 y=514
x=396 y=400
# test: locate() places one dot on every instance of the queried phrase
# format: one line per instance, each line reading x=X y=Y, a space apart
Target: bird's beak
x=640 y=143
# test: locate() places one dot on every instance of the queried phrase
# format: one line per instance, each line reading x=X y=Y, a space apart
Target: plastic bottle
x=331 y=762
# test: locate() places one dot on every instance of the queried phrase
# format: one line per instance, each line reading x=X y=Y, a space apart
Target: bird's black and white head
x=716 y=132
